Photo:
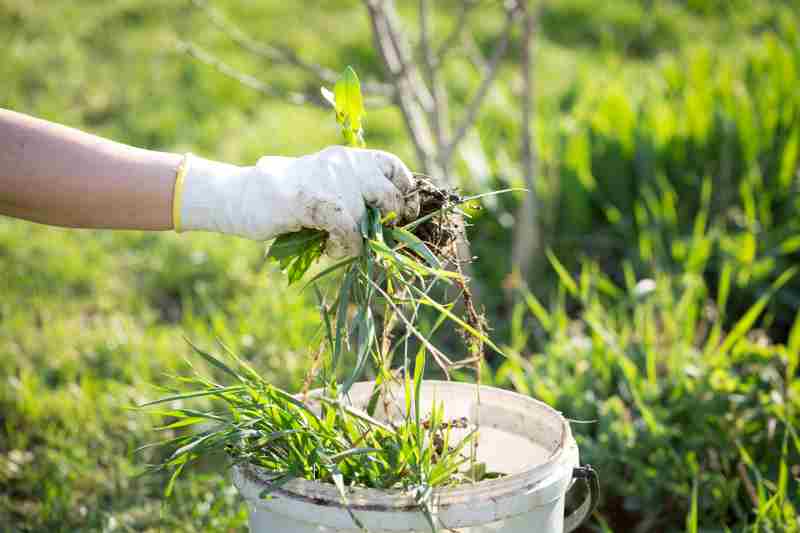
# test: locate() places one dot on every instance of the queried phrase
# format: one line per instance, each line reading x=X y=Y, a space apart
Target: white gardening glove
x=328 y=190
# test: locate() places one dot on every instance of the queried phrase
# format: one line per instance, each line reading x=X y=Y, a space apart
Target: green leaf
x=183 y=422
x=411 y=265
x=692 y=517
x=341 y=316
x=448 y=208
x=174 y=476
x=335 y=458
x=214 y=361
x=365 y=326
x=349 y=104
x=274 y=484
x=419 y=369
x=538 y=310
x=185 y=450
x=297 y=251
x=413 y=242
x=744 y=324
x=290 y=245
x=563 y=275
x=196 y=394
x=329 y=270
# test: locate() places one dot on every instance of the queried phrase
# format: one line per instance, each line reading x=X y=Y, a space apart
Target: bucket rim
x=252 y=479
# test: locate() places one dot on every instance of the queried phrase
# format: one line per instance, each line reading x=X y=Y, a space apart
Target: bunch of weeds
x=326 y=440
x=374 y=316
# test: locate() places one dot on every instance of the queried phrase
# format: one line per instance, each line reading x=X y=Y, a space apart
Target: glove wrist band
x=177 y=193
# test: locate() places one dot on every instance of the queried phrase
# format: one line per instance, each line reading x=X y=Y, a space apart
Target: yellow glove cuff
x=177 y=193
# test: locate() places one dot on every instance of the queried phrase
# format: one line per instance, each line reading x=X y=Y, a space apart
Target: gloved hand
x=328 y=190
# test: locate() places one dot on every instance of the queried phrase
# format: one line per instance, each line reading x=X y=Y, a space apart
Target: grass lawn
x=89 y=321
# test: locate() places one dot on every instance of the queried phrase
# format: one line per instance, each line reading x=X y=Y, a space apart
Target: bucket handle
x=588 y=475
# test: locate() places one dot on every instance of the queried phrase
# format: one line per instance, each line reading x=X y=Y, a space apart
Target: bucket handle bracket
x=588 y=475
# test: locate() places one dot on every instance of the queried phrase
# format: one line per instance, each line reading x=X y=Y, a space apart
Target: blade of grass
x=196 y=394
x=413 y=242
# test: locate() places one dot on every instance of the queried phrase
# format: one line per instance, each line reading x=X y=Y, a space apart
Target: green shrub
x=664 y=397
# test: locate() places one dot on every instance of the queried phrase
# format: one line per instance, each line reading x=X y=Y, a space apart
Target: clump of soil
x=440 y=232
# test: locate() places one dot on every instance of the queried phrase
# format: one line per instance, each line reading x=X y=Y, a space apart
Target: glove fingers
x=401 y=177
x=343 y=242
x=344 y=237
x=382 y=194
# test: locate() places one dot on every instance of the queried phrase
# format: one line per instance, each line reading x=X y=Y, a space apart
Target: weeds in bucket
x=374 y=315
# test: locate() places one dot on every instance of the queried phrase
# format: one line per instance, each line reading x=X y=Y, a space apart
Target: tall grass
x=630 y=167
x=689 y=421
x=711 y=139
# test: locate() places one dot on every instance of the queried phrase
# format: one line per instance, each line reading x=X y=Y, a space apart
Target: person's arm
x=60 y=176
x=57 y=175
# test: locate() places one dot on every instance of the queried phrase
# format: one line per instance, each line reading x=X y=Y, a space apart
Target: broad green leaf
x=349 y=104
x=297 y=251
x=292 y=244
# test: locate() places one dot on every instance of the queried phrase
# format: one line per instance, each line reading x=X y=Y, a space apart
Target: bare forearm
x=61 y=176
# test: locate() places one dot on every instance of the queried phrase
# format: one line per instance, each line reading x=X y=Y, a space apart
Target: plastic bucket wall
x=519 y=436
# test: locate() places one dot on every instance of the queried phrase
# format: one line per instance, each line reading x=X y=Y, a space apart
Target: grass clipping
x=380 y=314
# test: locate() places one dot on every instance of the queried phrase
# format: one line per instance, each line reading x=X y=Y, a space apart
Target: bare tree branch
x=438 y=110
x=403 y=50
x=493 y=69
x=455 y=34
x=246 y=79
x=273 y=53
x=474 y=54
x=280 y=53
x=406 y=100
x=527 y=238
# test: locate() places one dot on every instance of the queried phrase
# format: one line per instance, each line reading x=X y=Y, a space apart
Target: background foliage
x=668 y=135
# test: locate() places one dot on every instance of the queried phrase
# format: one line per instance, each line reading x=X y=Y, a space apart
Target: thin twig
x=441 y=359
x=474 y=54
x=493 y=68
x=409 y=71
x=272 y=52
x=246 y=79
x=455 y=34
x=439 y=105
x=409 y=107
x=280 y=53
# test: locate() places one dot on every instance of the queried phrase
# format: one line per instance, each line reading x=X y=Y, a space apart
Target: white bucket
x=519 y=436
